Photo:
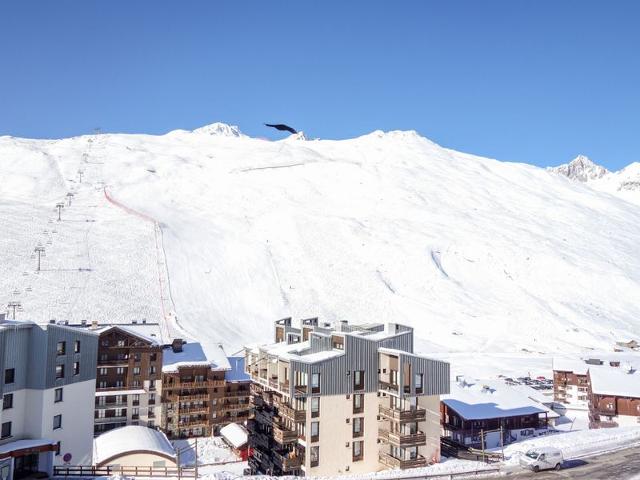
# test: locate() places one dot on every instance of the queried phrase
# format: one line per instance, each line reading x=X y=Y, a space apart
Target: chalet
x=490 y=413
x=614 y=397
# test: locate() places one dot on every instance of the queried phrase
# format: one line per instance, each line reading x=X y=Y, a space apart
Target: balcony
x=196 y=409
x=193 y=385
x=292 y=414
x=113 y=362
x=194 y=422
x=402 y=440
x=287 y=461
x=111 y=405
x=120 y=419
x=388 y=387
x=415 y=415
x=188 y=398
x=394 y=462
x=283 y=435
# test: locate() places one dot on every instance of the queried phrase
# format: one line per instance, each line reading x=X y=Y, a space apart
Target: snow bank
x=578 y=443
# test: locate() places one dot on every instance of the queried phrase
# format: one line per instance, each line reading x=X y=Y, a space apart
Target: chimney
x=176 y=345
x=144 y=320
x=461 y=381
x=52 y=321
x=134 y=322
x=94 y=324
x=66 y=322
x=83 y=323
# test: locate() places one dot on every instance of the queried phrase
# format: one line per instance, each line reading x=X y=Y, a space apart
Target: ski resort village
x=208 y=304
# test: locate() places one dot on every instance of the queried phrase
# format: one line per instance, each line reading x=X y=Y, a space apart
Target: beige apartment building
x=331 y=399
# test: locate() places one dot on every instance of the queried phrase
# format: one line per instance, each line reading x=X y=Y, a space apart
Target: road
x=621 y=465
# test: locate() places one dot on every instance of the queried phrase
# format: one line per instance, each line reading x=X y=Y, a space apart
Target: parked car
x=542 y=458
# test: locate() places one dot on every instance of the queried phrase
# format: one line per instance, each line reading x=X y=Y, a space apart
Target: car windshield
x=532 y=454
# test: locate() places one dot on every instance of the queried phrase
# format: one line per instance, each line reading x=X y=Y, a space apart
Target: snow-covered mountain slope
x=624 y=183
x=478 y=255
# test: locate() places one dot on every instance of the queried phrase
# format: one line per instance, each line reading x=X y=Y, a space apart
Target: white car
x=542 y=458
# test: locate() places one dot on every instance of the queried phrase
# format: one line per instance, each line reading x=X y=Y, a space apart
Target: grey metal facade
x=32 y=351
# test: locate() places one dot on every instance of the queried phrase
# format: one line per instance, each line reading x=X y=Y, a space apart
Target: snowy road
x=621 y=465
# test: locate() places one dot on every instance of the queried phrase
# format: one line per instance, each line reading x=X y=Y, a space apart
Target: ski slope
x=478 y=255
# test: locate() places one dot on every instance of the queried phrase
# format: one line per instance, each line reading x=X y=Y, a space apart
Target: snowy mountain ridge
x=625 y=182
x=478 y=255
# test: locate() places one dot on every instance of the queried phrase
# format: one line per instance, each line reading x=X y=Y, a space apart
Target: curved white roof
x=123 y=440
x=236 y=435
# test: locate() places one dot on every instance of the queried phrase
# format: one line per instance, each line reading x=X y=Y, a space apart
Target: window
x=315 y=431
x=61 y=348
x=102 y=384
x=76 y=346
x=315 y=382
x=152 y=399
x=137 y=357
x=6 y=430
x=315 y=407
x=76 y=368
x=104 y=343
x=358 y=427
x=104 y=357
x=135 y=413
x=9 y=375
x=135 y=383
x=358 y=403
x=120 y=371
x=57 y=395
x=101 y=413
x=121 y=343
x=315 y=456
x=153 y=357
x=119 y=383
x=418 y=382
x=136 y=370
x=7 y=401
x=358 y=380
x=152 y=370
x=103 y=372
x=59 y=371
x=136 y=399
x=58 y=448
x=358 y=453
x=57 y=422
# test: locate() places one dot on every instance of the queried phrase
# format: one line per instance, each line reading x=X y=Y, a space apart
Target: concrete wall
x=335 y=433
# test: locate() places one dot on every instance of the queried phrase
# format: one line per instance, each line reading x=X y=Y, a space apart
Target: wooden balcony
x=288 y=461
x=292 y=414
x=283 y=435
x=393 y=462
x=195 y=409
x=415 y=415
x=402 y=440
x=193 y=385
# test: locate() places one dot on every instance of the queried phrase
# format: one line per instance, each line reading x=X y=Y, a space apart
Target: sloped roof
x=488 y=399
x=237 y=373
x=193 y=355
x=236 y=435
x=618 y=381
x=132 y=438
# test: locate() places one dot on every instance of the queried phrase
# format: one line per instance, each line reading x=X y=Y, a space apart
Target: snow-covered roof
x=131 y=438
x=108 y=393
x=24 y=444
x=313 y=357
x=237 y=373
x=193 y=355
x=150 y=333
x=235 y=434
x=619 y=381
x=491 y=399
x=577 y=366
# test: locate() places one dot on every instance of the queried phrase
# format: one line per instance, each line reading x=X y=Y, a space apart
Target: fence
x=87 y=471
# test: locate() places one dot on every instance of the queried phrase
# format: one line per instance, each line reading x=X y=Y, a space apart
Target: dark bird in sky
x=281 y=127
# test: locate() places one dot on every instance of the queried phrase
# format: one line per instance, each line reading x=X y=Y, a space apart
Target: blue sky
x=532 y=81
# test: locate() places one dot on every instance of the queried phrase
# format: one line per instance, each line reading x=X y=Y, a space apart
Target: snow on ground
x=505 y=262
x=210 y=450
x=578 y=444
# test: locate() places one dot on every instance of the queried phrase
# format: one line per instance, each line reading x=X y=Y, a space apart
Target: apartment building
x=571 y=379
x=236 y=405
x=331 y=399
x=614 y=397
x=128 y=377
x=193 y=389
x=47 y=383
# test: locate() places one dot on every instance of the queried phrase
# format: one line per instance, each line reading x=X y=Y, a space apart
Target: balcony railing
x=120 y=419
x=401 y=439
x=187 y=398
x=388 y=386
x=198 y=409
x=203 y=384
x=283 y=435
x=414 y=415
x=288 y=461
x=394 y=462
x=111 y=405
x=292 y=414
